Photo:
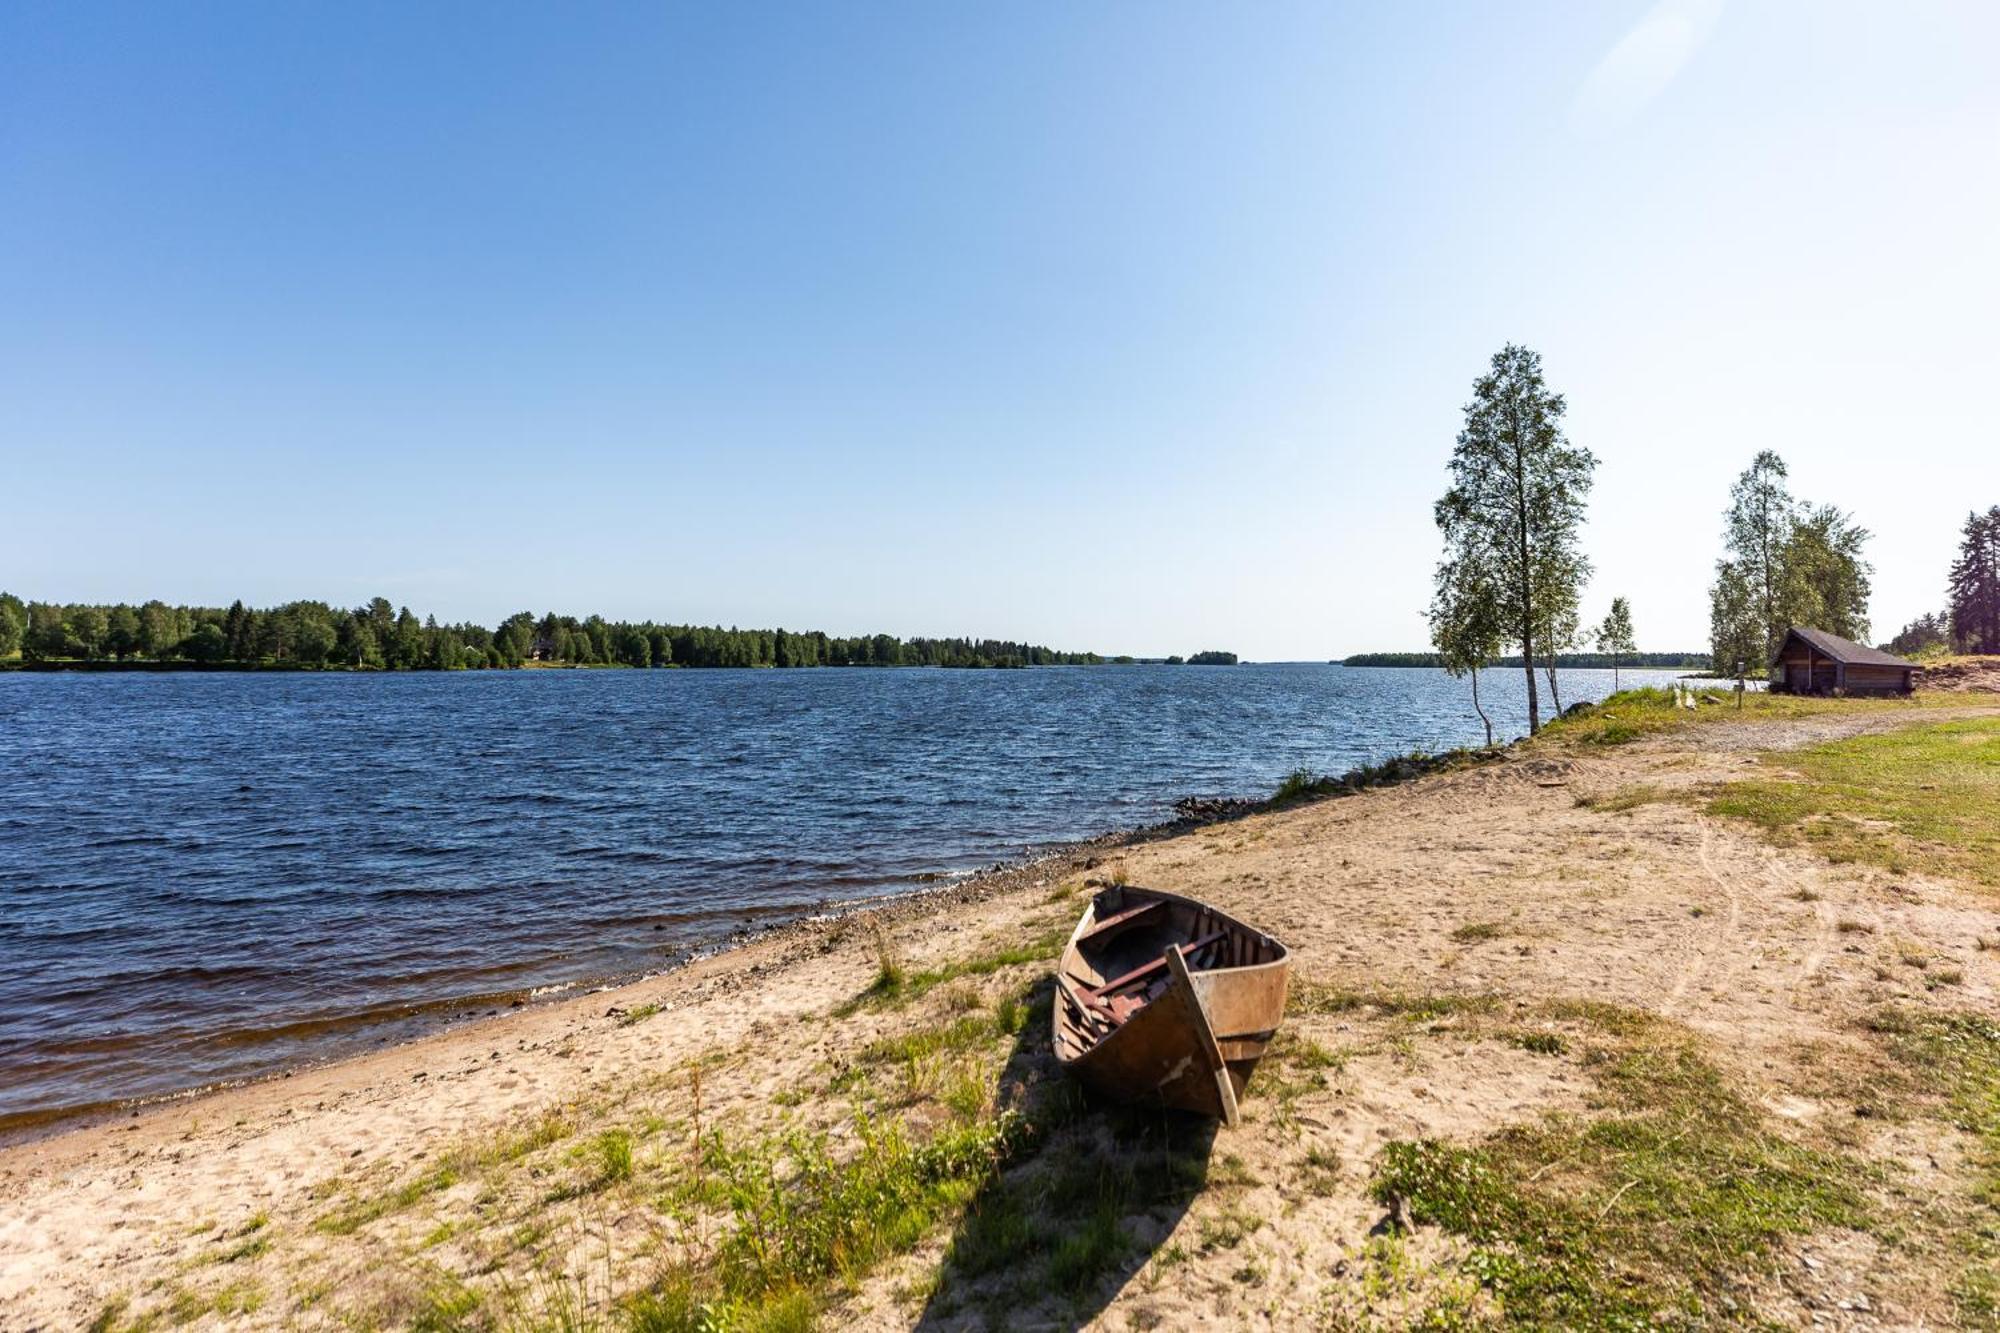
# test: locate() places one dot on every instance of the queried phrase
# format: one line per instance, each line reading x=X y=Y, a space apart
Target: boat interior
x=1119 y=962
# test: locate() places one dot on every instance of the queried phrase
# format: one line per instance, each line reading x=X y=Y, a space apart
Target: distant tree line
x=1211 y=657
x=1605 y=661
x=1970 y=621
x=304 y=635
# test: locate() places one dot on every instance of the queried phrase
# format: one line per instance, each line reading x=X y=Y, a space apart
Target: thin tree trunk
x=1614 y=673
x=1527 y=580
x=1480 y=710
x=1555 y=695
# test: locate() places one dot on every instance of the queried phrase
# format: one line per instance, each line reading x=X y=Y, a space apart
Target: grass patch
x=1308 y=998
x=1647 y=1214
x=1307 y=784
x=1956 y=1058
x=613 y=1150
x=895 y=984
x=1922 y=797
x=1630 y=715
x=468 y=1160
x=1478 y=932
x=638 y=1013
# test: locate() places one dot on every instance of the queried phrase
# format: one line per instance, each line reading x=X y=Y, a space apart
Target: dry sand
x=205 y=1210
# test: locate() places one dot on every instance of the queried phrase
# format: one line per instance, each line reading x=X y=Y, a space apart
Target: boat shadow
x=1084 y=1195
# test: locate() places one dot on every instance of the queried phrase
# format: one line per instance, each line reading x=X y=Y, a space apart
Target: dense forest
x=1970 y=621
x=308 y=635
x=1603 y=660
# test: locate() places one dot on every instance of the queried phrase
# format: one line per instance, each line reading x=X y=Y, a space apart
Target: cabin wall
x=1878 y=680
x=1800 y=670
x=1793 y=664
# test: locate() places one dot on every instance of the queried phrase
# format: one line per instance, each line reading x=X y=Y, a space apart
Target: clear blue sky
x=1139 y=327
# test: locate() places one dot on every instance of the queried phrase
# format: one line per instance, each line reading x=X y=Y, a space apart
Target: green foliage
x=1786 y=563
x=13 y=623
x=1512 y=520
x=314 y=635
x=1929 y=635
x=1615 y=635
x=1973 y=585
x=614 y=1155
x=1212 y=657
x=803 y=1216
x=1306 y=784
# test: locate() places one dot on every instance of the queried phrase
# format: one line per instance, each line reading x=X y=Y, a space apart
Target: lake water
x=207 y=877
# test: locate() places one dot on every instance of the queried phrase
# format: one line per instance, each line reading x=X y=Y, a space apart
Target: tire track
x=1697 y=967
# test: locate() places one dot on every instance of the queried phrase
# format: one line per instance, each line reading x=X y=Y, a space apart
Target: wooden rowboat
x=1163 y=999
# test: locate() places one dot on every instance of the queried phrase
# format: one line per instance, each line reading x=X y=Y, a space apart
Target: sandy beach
x=1482 y=954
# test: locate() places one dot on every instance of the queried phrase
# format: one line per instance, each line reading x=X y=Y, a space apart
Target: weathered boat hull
x=1162 y=999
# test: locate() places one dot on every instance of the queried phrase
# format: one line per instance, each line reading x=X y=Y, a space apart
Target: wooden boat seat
x=1116 y=1001
x=1125 y=918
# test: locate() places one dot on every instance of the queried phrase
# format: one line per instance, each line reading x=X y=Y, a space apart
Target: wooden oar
x=1204 y=1036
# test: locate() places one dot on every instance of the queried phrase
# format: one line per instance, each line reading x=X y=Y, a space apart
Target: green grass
x=1307 y=784
x=1647 y=1214
x=613 y=1149
x=1632 y=714
x=1308 y=998
x=1478 y=932
x=359 y=1212
x=1921 y=797
x=1956 y=1059
x=896 y=985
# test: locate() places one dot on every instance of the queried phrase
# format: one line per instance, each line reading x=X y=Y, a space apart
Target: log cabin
x=1811 y=661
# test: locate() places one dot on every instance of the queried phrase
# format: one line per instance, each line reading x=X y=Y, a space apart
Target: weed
x=613 y=1149
x=1646 y=1213
x=1475 y=932
x=1320 y=1170
x=1540 y=1043
x=1227 y=1229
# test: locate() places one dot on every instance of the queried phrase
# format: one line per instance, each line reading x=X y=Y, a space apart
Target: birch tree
x=1736 y=626
x=1465 y=623
x=1515 y=506
x=1615 y=637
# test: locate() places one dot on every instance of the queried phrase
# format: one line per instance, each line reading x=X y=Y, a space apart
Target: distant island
x=1674 y=661
x=1210 y=658
x=314 y=636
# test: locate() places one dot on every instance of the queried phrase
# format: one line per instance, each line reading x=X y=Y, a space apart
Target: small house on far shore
x=1811 y=661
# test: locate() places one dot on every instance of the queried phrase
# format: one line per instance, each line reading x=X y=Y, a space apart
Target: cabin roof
x=1842 y=650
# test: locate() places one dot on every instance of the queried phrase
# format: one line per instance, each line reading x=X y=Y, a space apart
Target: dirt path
x=1528 y=880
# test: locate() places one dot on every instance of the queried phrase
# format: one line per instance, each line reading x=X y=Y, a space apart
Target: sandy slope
x=1774 y=955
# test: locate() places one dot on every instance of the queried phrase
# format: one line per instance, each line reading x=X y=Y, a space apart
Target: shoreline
x=921 y=899
x=25 y=1128
x=1486 y=952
